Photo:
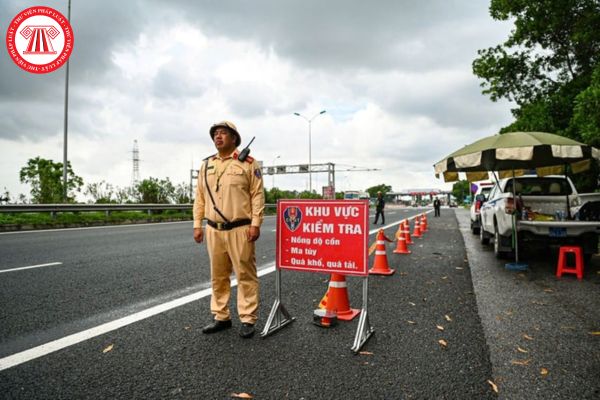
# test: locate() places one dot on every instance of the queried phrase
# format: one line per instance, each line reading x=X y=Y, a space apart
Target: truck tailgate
x=559 y=228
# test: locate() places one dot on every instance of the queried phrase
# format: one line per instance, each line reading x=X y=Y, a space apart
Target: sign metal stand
x=364 y=330
x=349 y=223
x=279 y=317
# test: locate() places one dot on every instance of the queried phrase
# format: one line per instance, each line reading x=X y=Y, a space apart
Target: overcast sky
x=394 y=77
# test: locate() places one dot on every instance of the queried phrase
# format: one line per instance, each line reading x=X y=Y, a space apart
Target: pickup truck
x=547 y=214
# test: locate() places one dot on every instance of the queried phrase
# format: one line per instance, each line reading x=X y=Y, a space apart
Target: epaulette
x=211 y=156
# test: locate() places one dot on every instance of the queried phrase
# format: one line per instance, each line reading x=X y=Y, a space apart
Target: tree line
x=549 y=67
x=47 y=187
x=45 y=178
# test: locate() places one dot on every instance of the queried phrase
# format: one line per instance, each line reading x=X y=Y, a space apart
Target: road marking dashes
x=31 y=266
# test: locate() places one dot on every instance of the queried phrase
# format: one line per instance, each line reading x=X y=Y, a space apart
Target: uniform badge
x=257 y=173
x=292 y=217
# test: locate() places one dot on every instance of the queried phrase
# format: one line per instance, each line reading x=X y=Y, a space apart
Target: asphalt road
x=110 y=273
x=542 y=331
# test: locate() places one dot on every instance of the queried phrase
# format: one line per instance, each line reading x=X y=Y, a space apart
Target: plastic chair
x=563 y=268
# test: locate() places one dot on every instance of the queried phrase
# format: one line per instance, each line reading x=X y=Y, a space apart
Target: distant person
x=230 y=196
x=436 y=206
x=379 y=206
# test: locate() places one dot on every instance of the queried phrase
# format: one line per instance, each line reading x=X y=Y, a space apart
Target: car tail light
x=477 y=205
x=509 y=206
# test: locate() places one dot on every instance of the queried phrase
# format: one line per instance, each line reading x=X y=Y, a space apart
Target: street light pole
x=309 y=157
x=66 y=121
x=273 y=164
x=309 y=145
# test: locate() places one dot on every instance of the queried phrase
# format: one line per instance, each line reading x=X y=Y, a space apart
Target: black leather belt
x=227 y=226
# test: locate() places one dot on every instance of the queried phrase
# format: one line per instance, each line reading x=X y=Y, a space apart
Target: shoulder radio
x=245 y=151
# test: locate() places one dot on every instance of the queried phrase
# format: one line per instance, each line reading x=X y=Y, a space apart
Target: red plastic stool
x=562 y=261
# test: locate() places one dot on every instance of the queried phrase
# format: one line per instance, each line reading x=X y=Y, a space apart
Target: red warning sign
x=329 y=236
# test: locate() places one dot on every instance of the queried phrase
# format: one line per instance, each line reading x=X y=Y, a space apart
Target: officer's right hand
x=198 y=235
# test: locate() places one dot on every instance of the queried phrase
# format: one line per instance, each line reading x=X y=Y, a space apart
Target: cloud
x=344 y=35
x=394 y=77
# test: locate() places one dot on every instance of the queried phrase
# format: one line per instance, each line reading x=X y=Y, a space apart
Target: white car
x=545 y=216
x=481 y=195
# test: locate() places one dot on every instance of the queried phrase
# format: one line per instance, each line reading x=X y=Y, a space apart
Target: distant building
x=421 y=196
x=356 y=195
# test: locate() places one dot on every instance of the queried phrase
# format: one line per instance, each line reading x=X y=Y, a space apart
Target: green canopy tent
x=518 y=151
x=512 y=153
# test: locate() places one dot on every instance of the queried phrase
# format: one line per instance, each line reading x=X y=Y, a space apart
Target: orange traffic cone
x=380 y=265
x=417 y=230
x=424 y=223
x=401 y=248
x=407 y=232
x=336 y=302
x=400 y=230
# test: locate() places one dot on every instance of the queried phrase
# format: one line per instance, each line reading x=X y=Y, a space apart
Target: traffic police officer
x=230 y=196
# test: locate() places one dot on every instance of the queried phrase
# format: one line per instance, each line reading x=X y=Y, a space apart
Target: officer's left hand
x=253 y=233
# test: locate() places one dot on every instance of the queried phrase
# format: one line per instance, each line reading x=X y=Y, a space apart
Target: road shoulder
x=539 y=329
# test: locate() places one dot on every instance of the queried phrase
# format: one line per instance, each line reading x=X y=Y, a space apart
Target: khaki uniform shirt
x=239 y=194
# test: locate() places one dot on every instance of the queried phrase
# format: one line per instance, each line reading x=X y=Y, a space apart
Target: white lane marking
x=30 y=267
x=59 y=344
x=384 y=227
x=396 y=223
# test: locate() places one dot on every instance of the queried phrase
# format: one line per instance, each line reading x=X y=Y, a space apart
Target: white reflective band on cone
x=320 y=312
x=380 y=242
x=379 y=252
x=337 y=284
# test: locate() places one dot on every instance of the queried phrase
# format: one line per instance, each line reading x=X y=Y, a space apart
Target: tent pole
x=569 y=187
x=514 y=218
x=496 y=177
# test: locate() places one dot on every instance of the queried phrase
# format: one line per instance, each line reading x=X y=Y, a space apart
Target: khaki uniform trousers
x=231 y=250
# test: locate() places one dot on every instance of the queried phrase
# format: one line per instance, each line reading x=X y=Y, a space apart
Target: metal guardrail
x=107 y=208
x=56 y=208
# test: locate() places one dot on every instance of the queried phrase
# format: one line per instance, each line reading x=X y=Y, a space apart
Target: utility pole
x=135 y=176
x=66 y=121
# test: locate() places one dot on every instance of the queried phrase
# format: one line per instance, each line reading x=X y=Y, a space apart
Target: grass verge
x=74 y=219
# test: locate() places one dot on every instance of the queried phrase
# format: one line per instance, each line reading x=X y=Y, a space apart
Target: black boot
x=216 y=326
x=247 y=330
